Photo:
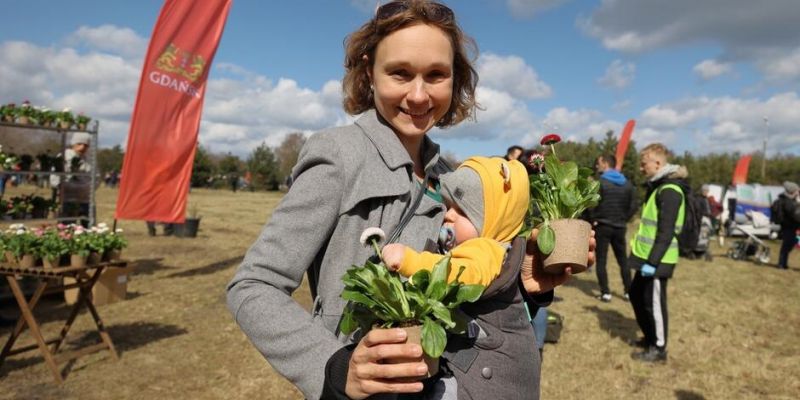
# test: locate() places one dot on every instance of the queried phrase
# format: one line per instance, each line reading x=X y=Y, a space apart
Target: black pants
x=788 y=241
x=649 y=301
x=606 y=235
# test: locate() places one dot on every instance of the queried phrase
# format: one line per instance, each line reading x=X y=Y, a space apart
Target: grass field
x=734 y=327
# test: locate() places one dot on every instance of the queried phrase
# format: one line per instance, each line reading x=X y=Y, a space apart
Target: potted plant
x=191 y=225
x=47 y=117
x=8 y=112
x=425 y=305
x=50 y=246
x=558 y=197
x=21 y=243
x=82 y=121
x=24 y=112
x=65 y=119
x=80 y=244
x=114 y=243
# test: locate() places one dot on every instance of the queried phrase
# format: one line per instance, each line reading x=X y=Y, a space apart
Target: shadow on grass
x=587 y=286
x=125 y=337
x=616 y=324
x=147 y=266
x=688 y=395
x=208 y=269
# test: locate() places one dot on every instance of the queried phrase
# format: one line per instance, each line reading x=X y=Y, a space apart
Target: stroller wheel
x=763 y=258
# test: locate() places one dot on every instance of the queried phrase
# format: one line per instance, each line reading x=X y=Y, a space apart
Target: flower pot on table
x=571 y=246
x=49 y=263
x=27 y=261
x=414 y=335
x=77 y=260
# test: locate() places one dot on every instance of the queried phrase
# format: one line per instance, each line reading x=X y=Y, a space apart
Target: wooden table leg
x=20 y=327
x=27 y=314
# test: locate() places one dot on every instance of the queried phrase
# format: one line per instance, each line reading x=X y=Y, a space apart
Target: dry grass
x=734 y=327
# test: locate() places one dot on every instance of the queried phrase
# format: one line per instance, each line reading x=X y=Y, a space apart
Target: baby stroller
x=750 y=246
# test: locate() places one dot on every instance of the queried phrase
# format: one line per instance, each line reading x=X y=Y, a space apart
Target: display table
x=49 y=281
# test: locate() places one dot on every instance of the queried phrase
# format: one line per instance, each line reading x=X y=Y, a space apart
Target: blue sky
x=699 y=75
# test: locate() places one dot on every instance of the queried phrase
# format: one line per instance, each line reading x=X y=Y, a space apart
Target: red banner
x=157 y=169
x=622 y=146
x=740 y=173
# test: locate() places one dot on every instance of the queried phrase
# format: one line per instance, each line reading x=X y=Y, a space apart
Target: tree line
x=268 y=167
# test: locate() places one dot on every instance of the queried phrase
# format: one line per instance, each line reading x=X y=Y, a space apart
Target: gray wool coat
x=346 y=180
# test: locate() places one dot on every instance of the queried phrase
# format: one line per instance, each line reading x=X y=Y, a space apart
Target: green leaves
x=434 y=338
x=546 y=239
x=562 y=191
x=380 y=297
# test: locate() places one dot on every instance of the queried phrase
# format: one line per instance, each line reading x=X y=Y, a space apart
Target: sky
x=698 y=75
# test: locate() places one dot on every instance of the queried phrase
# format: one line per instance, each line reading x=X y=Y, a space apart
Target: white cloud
x=111 y=39
x=710 y=69
x=241 y=110
x=759 y=32
x=722 y=124
x=512 y=75
x=618 y=75
x=529 y=8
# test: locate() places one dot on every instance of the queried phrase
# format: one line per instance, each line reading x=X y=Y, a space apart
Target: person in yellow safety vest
x=654 y=248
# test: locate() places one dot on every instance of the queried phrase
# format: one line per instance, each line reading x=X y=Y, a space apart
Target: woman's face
x=413 y=79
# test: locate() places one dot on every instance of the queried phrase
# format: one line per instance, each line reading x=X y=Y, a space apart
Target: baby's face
x=460 y=224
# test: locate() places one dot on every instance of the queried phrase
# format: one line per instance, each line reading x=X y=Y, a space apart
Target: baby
x=487 y=199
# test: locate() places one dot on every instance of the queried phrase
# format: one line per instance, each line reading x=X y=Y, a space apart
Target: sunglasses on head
x=434 y=11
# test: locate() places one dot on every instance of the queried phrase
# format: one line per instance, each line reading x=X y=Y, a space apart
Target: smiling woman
x=407 y=70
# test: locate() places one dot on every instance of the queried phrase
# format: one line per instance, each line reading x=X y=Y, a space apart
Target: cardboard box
x=111 y=287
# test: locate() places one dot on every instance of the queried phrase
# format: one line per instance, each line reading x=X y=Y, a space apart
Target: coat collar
x=389 y=146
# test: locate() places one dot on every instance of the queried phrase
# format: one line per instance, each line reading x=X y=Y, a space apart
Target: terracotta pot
x=94 y=258
x=415 y=336
x=81 y=127
x=27 y=261
x=64 y=124
x=572 y=246
x=77 y=260
x=49 y=264
x=23 y=120
x=10 y=257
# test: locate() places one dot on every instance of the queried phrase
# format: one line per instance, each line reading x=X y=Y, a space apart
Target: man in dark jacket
x=654 y=249
x=610 y=217
x=790 y=221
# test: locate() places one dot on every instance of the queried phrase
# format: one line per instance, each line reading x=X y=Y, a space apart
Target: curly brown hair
x=363 y=42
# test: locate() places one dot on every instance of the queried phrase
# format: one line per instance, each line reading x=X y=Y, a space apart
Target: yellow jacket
x=505 y=202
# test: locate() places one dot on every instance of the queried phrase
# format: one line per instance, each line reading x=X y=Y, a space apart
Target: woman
x=407 y=70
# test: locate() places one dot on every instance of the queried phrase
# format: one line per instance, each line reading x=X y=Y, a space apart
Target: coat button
x=486 y=372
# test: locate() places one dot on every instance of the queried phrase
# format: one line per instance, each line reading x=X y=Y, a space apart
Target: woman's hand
x=369 y=373
x=533 y=277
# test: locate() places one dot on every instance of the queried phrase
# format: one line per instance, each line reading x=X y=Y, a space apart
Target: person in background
x=789 y=221
x=610 y=218
x=77 y=188
x=654 y=248
x=513 y=153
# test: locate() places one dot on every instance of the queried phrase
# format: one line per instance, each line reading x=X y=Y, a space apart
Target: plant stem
x=377 y=250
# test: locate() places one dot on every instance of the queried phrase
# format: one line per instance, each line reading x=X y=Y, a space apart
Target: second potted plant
x=560 y=194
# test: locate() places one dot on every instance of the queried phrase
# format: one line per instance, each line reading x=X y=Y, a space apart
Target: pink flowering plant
x=52 y=243
x=561 y=191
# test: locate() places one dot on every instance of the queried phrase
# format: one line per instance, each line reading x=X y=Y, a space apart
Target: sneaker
x=651 y=354
x=605 y=297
